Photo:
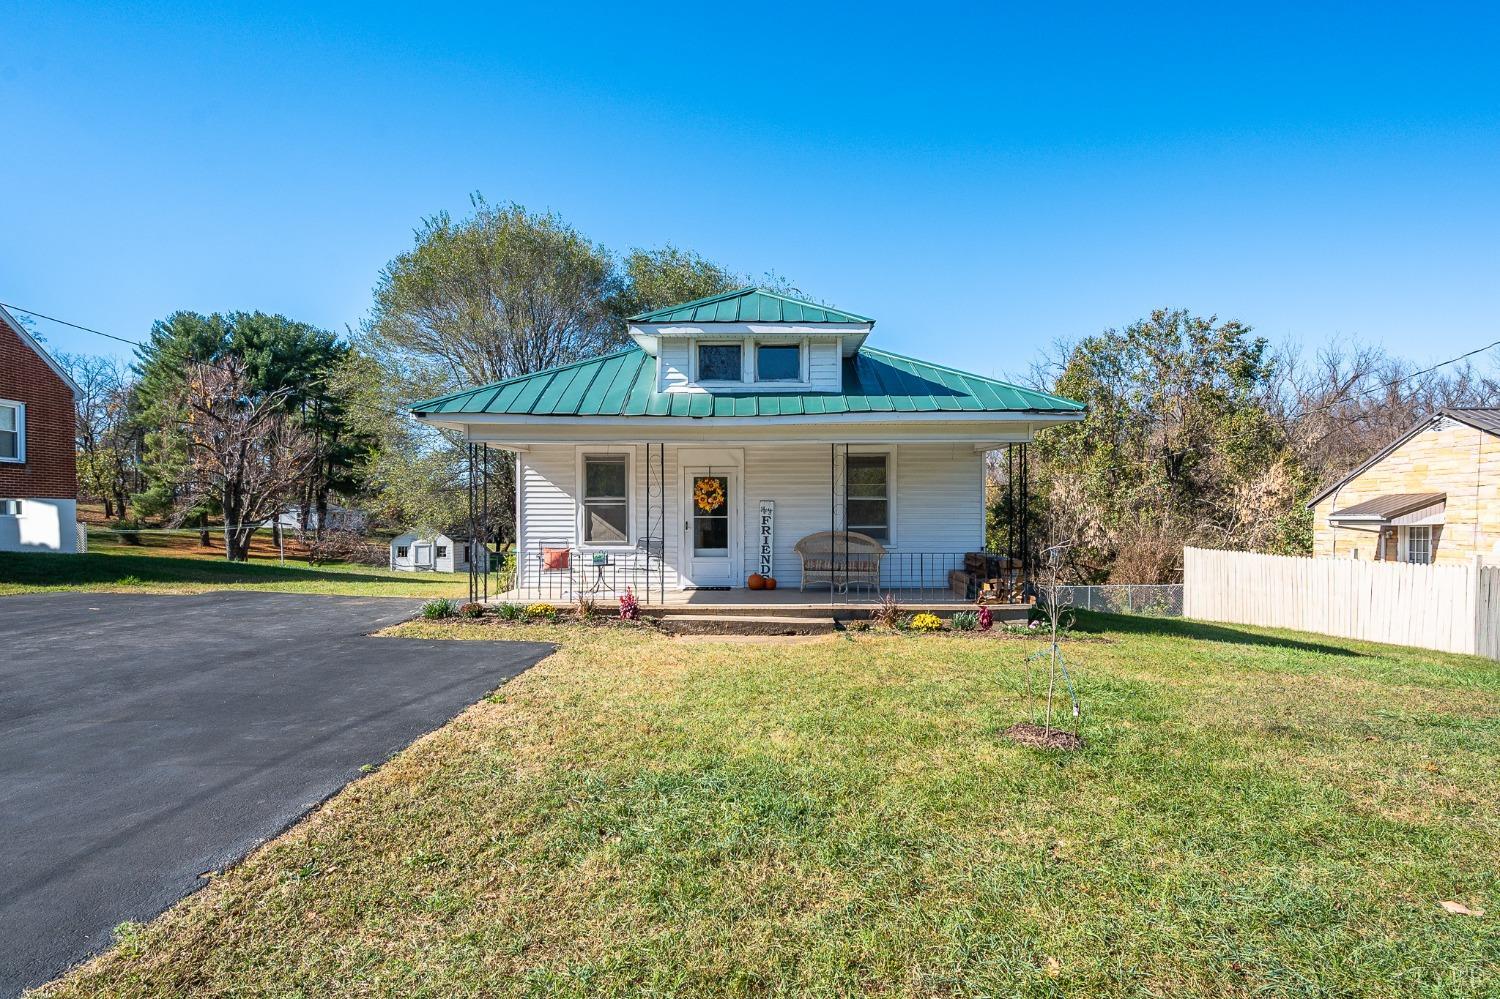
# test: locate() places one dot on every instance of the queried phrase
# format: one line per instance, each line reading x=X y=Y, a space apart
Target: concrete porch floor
x=784 y=601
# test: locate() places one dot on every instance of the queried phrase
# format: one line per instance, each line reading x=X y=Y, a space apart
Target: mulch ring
x=1028 y=734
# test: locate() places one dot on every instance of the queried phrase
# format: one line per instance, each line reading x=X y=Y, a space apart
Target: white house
x=731 y=429
x=411 y=552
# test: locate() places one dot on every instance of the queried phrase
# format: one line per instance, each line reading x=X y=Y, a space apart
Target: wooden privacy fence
x=1453 y=608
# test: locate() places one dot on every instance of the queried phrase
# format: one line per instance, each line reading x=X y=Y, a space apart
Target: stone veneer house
x=1433 y=496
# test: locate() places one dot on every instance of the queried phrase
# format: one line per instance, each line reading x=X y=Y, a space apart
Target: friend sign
x=766 y=542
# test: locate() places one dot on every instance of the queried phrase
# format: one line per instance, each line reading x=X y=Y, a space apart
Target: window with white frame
x=778 y=362
x=720 y=362
x=1419 y=544
x=606 y=499
x=402 y=551
x=867 y=503
x=12 y=431
x=442 y=551
x=10 y=508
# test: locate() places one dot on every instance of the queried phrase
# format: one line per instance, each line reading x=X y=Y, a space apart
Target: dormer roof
x=752 y=305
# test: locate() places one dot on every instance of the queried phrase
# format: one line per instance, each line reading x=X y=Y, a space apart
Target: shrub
x=542 y=611
x=925 y=622
x=965 y=621
x=128 y=531
x=584 y=608
x=472 y=610
x=341 y=546
x=510 y=612
x=505 y=568
x=888 y=614
x=630 y=610
x=434 y=610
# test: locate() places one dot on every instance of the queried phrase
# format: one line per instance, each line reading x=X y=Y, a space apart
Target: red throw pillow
x=554 y=558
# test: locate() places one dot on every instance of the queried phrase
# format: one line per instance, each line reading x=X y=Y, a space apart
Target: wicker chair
x=840 y=558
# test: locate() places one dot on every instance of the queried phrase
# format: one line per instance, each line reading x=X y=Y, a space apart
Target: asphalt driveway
x=147 y=739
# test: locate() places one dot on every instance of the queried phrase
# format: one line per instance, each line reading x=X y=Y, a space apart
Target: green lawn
x=1256 y=814
x=116 y=569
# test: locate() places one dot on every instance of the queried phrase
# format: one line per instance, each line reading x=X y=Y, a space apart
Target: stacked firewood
x=988 y=578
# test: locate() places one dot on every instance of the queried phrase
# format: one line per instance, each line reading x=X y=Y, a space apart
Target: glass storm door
x=712 y=536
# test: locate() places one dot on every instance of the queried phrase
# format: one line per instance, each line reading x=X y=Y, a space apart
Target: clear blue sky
x=981 y=182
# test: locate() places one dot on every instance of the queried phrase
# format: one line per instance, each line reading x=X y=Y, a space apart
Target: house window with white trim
x=12 y=431
x=606 y=499
x=867 y=507
x=402 y=551
x=1419 y=544
x=442 y=551
x=720 y=362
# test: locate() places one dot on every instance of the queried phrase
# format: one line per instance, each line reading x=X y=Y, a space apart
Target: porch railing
x=565 y=574
x=950 y=576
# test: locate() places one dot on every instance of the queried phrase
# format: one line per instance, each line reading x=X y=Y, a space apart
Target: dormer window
x=720 y=362
x=778 y=362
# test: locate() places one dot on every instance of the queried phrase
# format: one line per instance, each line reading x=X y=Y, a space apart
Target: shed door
x=421 y=555
x=711 y=530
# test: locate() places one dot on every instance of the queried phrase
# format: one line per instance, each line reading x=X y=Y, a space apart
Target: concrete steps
x=747 y=624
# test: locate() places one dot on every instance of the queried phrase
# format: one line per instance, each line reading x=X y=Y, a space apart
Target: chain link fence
x=1158 y=600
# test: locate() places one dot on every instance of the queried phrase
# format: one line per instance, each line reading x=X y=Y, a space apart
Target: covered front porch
x=692 y=524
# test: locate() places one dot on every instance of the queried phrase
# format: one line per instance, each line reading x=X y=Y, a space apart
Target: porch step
x=746 y=624
x=814 y=610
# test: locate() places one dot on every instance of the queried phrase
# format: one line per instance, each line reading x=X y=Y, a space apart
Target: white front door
x=711 y=528
x=421 y=555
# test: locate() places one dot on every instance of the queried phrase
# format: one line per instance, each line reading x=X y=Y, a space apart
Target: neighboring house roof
x=1480 y=418
x=40 y=351
x=624 y=384
x=751 y=305
x=1487 y=420
x=1386 y=508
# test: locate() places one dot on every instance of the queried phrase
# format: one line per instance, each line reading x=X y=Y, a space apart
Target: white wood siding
x=549 y=507
x=672 y=365
x=938 y=499
x=825 y=365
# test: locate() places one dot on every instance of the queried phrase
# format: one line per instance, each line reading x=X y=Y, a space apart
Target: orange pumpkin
x=770 y=582
x=757 y=581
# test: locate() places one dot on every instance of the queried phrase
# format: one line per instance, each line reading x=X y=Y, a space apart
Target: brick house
x=1433 y=496
x=38 y=471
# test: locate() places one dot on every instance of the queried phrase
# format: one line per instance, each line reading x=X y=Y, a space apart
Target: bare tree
x=245 y=453
x=107 y=440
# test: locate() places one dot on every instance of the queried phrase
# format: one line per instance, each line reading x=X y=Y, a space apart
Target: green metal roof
x=749 y=305
x=624 y=384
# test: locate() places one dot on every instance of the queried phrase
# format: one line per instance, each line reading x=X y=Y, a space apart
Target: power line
x=346 y=403
x=64 y=322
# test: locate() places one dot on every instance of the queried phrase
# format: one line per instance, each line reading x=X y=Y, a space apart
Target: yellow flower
x=709 y=495
x=926 y=622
